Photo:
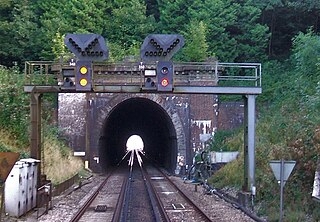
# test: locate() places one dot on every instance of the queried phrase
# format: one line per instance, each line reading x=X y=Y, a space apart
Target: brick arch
x=161 y=100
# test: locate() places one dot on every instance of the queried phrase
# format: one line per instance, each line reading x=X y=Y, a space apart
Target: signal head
x=165 y=73
x=160 y=47
x=87 y=47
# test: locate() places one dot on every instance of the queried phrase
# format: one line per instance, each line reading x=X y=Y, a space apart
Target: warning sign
x=282 y=168
x=7 y=161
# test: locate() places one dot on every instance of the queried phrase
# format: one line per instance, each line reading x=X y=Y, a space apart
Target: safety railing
x=39 y=73
x=133 y=73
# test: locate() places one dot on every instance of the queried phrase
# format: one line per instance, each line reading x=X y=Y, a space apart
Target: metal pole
x=249 y=143
x=281 y=188
x=35 y=112
x=245 y=145
x=87 y=128
x=251 y=140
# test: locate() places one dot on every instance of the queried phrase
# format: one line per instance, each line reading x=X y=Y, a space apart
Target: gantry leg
x=249 y=143
x=35 y=112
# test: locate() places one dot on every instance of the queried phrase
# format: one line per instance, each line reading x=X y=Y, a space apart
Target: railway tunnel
x=143 y=117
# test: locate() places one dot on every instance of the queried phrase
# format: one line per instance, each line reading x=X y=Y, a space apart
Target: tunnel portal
x=143 y=117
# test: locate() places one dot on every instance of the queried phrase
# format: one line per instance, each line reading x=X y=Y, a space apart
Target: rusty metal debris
x=7 y=161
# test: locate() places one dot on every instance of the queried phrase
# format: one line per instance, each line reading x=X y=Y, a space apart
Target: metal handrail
x=124 y=71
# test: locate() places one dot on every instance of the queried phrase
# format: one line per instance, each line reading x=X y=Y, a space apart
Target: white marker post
x=282 y=170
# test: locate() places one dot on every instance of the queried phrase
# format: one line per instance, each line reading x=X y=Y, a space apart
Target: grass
x=59 y=162
x=296 y=141
x=8 y=144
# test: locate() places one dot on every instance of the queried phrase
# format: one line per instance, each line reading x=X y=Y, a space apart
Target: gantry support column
x=35 y=112
x=249 y=144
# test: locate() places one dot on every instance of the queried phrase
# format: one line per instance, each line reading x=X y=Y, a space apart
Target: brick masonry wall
x=230 y=115
x=194 y=117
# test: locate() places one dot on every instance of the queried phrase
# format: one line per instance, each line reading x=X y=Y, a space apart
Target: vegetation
x=283 y=35
x=14 y=128
x=221 y=142
x=58 y=161
x=287 y=128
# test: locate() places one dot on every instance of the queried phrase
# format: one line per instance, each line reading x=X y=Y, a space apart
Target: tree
x=153 y=9
x=128 y=22
x=196 y=46
x=285 y=19
x=306 y=54
x=68 y=16
x=25 y=37
x=251 y=36
x=14 y=103
x=174 y=15
x=219 y=16
x=6 y=7
x=17 y=32
x=127 y=27
x=233 y=32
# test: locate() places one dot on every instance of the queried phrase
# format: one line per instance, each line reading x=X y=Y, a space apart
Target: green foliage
x=220 y=141
x=288 y=120
x=196 y=49
x=285 y=19
x=118 y=53
x=251 y=37
x=58 y=46
x=14 y=103
x=230 y=30
x=76 y=16
x=128 y=23
x=3 y=148
x=17 y=32
x=306 y=54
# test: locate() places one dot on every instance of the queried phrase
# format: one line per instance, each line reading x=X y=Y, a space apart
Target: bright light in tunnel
x=135 y=142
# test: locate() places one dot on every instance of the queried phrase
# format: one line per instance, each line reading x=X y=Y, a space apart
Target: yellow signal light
x=83 y=82
x=83 y=70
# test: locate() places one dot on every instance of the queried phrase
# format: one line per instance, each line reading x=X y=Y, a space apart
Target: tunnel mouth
x=146 y=119
x=134 y=142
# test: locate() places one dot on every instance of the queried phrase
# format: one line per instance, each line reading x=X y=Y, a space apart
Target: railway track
x=102 y=202
x=140 y=203
x=139 y=194
x=176 y=204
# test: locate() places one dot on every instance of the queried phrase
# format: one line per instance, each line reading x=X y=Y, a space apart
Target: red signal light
x=164 y=82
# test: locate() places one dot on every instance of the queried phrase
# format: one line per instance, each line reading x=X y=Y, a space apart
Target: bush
x=286 y=128
x=14 y=104
x=218 y=143
x=3 y=148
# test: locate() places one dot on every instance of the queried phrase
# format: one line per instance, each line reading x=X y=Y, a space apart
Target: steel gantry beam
x=137 y=89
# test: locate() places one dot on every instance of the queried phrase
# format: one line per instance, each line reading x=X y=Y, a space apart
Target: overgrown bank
x=288 y=127
x=58 y=162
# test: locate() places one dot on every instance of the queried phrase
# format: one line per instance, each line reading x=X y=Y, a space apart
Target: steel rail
x=118 y=210
x=155 y=198
x=126 y=192
x=156 y=204
x=184 y=195
x=88 y=202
